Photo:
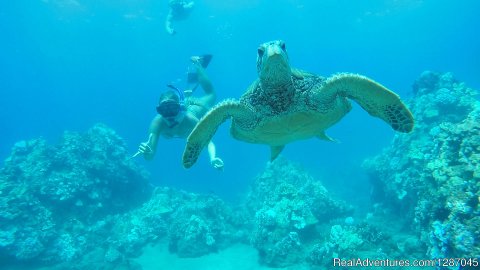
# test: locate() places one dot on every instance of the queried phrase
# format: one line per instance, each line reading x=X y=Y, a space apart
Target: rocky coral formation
x=49 y=191
x=375 y=238
x=192 y=224
x=431 y=176
x=129 y=232
x=202 y=224
x=297 y=222
x=84 y=201
x=288 y=205
x=82 y=204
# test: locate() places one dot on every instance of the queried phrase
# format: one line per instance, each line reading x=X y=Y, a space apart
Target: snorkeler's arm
x=216 y=162
x=211 y=150
x=153 y=135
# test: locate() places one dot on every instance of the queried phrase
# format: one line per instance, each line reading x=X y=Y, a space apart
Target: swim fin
x=205 y=60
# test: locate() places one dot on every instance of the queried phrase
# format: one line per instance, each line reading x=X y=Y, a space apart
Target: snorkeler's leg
x=192 y=75
x=209 y=99
x=202 y=76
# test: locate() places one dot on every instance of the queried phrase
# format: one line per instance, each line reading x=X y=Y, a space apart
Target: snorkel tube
x=180 y=94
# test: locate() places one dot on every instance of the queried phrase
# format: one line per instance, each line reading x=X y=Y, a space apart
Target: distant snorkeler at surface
x=179 y=10
x=178 y=114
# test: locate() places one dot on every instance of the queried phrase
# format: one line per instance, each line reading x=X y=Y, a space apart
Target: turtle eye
x=282 y=45
x=260 y=51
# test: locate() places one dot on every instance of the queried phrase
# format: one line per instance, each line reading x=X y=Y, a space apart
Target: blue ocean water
x=68 y=64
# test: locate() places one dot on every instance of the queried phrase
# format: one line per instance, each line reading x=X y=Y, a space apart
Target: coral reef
x=370 y=238
x=50 y=191
x=129 y=232
x=288 y=205
x=193 y=225
x=432 y=176
x=297 y=222
x=202 y=224
x=83 y=202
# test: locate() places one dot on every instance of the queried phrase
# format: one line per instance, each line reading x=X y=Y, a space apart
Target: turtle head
x=272 y=64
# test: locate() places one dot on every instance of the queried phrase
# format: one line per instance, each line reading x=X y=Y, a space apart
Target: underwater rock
x=201 y=224
x=345 y=240
x=432 y=174
x=83 y=200
x=288 y=204
x=52 y=194
x=440 y=98
x=129 y=232
x=366 y=239
x=194 y=224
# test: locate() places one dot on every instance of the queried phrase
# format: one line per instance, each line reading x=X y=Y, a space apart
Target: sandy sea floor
x=237 y=257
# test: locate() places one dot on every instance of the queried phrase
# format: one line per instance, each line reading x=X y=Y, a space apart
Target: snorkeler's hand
x=144 y=148
x=217 y=163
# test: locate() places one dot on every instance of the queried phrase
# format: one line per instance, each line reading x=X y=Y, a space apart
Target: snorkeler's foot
x=195 y=59
x=202 y=60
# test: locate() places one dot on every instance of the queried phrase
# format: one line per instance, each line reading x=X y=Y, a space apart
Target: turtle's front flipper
x=376 y=99
x=208 y=125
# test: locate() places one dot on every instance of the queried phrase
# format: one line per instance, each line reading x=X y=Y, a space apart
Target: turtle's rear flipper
x=275 y=151
x=376 y=99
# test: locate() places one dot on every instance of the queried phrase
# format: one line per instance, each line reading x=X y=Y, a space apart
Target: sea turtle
x=286 y=104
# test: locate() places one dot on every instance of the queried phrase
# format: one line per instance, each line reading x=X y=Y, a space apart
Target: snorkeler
x=178 y=115
x=179 y=10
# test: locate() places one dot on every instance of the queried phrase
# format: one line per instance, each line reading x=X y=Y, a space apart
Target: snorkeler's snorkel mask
x=171 y=108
